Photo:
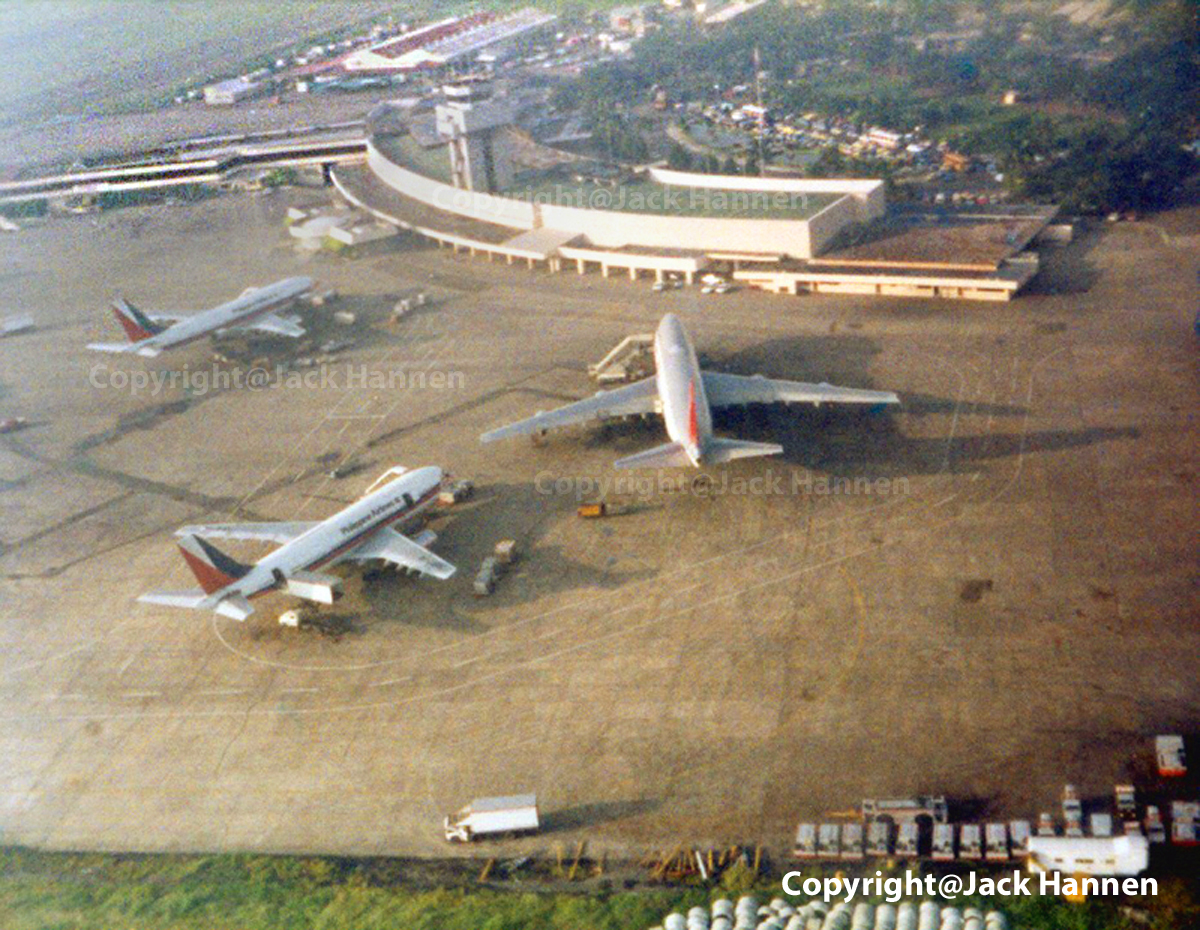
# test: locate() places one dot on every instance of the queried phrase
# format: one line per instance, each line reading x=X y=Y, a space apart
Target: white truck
x=492 y=817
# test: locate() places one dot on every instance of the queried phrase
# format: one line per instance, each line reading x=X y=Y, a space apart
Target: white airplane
x=684 y=395
x=254 y=309
x=362 y=532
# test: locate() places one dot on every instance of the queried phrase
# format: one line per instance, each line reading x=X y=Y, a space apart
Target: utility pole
x=762 y=114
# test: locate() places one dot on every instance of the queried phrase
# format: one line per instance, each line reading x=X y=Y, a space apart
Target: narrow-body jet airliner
x=254 y=310
x=362 y=532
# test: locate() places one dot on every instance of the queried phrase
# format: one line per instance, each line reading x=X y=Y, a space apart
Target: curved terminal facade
x=471 y=181
x=709 y=214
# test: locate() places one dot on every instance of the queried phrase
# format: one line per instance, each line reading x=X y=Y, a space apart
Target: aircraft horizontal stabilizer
x=313 y=586
x=236 y=607
x=192 y=599
x=113 y=346
x=671 y=455
x=718 y=451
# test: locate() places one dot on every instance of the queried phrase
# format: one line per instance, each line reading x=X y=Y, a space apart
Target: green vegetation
x=24 y=209
x=1093 y=137
x=172 y=892
x=185 y=193
x=280 y=177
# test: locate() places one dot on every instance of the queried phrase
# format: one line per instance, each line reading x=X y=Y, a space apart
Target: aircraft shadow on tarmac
x=846 y=441
x=467 y=535
x=865 y=443
x=584 y=816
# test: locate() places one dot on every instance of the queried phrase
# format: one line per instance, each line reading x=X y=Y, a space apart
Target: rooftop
x=979 y=242
x=644 y=195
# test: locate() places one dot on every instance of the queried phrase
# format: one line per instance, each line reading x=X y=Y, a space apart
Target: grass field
x=111 y=892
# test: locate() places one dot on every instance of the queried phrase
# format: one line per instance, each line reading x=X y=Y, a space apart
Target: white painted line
x=299 y=690
x=224 y=691
x=466 y=662
x=141 y=694
x=391 y=681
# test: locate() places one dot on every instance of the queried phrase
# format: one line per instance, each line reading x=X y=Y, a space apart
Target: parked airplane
x=150 y=333
x=684 y=395
x=360 y=533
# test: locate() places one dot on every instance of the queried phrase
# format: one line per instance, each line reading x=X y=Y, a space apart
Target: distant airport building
x=447 y=42
x=227 y=93
x=472 y=180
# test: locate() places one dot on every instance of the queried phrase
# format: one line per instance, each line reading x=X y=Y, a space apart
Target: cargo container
x=995 y=842
x=970 y=842
x=806 y=841
x=1155 y=832
x=827 y=841
x=1172 y=763
x=1126 y=798
x=943 y=842
x=852 y=841
x=879 y=838
x=1019 y=832
x=908 y=839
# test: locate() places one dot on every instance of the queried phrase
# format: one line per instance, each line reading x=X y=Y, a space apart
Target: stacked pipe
x=747 y=914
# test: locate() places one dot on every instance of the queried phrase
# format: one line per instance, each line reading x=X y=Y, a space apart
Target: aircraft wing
x=391 y=546
x=640 y=397
x=733 y=390
x=261 y=532
x=275 y=325
x=169 y=319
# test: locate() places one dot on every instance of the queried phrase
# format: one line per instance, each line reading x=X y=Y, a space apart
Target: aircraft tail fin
x=671 y=455
x=212 y=567
x=136 y=324
x=717 y=450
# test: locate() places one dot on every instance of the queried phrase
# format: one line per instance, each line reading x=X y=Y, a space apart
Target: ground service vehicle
x=493 y=817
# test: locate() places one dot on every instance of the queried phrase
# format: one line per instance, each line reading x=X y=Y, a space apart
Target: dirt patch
x=973 y=589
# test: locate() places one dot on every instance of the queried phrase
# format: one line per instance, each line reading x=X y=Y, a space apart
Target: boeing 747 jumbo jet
x=684 y=395
x=362 y=532
x=150 y=333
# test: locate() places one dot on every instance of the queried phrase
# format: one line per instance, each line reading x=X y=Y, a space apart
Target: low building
x=227 y=93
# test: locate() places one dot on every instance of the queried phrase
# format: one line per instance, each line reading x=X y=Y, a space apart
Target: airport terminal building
x=467 y=177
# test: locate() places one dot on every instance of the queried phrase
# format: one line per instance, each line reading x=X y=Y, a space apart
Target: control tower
x=470 y=123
